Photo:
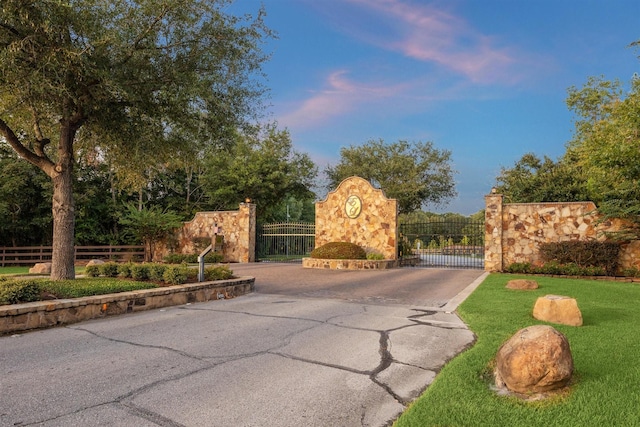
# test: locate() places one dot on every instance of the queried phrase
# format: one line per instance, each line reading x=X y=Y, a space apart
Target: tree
x=261 y=166
x=533 y=180
x=149 y=225
x=413 y=173
x=137 y=80
x=606 y=144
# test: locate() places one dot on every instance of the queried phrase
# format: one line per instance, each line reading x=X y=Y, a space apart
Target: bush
x=92 y=271
x=176 y=274
x=219 y=272
x=124 y=270
x=17 y=291
x=174 y=258
x=339 y=250
x=139 y=271
x=584 y=254
x=375 y=256
x=156 y=271
x=519 y=268
x=109 y=269
x=210 y=258
x=554 y=268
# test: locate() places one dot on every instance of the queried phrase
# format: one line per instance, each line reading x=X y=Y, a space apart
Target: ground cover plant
x=103 y=279
x=606 y=388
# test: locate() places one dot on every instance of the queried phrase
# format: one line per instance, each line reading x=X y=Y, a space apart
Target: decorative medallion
x=353 y=207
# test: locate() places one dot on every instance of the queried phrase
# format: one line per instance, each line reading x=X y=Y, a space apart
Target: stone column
x=247 y=235
x=493 y=232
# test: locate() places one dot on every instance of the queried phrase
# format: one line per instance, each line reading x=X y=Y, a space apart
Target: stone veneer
x=513 y=232
x=237 y=227
x=349 y=264
x=375 y=228
x=43 y=314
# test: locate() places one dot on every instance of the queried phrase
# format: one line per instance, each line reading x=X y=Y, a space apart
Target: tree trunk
x=63 y=207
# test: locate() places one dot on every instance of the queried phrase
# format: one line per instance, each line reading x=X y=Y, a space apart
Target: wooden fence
x=25 y=255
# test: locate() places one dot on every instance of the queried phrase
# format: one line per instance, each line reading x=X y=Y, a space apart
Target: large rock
x=95 y=262
x=558 y=309
x=522 y=284
x=536 y=359
x=41 y=268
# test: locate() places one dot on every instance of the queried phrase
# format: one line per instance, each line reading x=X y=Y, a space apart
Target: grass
x=606 y=349
x=24 y=271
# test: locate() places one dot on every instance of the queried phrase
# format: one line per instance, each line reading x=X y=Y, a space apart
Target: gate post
x=493 y=231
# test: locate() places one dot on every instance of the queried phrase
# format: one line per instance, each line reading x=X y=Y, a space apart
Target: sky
x=485 y=79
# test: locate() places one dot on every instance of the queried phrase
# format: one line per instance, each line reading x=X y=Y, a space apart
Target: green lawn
x=606 y=353
x=25 y=270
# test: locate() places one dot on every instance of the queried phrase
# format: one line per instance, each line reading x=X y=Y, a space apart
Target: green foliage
x=339 y=250
x=532 y=180
x=583 y=254
x=92 y=271
x=375 y=256
x=124 y=270
x=220 y=272
x=156 y=271
x=94 y=286
x=139 y=271
x=18 y=291
x=261 y=166
x=555 y=268
x=413 y=173
x=175 y=274
x=149 y=225
x=210 y=258
x=109 y=269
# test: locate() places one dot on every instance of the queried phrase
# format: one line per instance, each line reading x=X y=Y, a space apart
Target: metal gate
x=285 y=241
x=443 y=243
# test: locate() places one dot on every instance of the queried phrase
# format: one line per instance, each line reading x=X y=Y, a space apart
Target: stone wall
x=513 y=232
x=357 y=212
x=237 y=227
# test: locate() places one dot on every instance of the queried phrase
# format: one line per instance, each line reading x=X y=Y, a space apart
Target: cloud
x=428 y=34
x=340 y=96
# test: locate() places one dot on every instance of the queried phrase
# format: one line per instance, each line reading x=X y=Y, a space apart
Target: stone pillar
x=493 y=232
x=247 y=235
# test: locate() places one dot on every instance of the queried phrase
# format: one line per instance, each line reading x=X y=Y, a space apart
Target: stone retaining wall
x=349 y=264
x=43 y=314
x=513 y=232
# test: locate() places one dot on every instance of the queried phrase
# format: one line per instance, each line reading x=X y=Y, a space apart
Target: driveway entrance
x=403 y=286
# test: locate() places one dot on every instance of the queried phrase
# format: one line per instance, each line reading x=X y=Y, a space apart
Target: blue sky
x=485 y=79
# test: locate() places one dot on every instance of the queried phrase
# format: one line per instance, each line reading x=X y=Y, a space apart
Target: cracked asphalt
x=311 y=348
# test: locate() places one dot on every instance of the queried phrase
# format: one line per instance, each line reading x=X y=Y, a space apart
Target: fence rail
x=24 y=255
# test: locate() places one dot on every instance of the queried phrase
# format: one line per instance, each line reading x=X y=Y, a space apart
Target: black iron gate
x=444 y=243
x=285 y=241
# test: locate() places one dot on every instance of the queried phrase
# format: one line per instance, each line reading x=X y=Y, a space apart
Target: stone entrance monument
x=356 y=212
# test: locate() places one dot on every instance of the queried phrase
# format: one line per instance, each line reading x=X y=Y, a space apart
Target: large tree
x=138 y=80
x=261 y=166
x=415 y=174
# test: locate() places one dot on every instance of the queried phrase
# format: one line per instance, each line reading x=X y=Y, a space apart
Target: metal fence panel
x=443 y=243
x=285 y=242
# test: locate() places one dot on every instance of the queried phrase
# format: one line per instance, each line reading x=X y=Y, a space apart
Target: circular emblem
x=353 y=207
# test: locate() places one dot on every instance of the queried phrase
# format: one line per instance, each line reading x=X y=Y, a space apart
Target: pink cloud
x=428 y=34
x=339 y=97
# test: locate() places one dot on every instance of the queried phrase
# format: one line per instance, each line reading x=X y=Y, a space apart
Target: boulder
x=522 y=284
x=558 y=309
x=536 y=359
x=41 y=268
x=95 y=262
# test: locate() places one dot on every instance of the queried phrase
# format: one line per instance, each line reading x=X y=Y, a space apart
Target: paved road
x=312 y=354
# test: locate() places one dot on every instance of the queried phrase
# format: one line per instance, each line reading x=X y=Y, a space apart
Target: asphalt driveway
x=312 y=348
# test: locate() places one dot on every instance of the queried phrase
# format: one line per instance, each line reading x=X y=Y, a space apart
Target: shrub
x=17 y=291
x=92 y=271
x=219 y=272
x=109 y=269
x=339 y=250
x=210 y=258
x=375 y=256
x=175 y=274
x=583 y=253
x=174 y=258
x=519 y=268
x=139 y=271
x=156 y=271
x=124 y=270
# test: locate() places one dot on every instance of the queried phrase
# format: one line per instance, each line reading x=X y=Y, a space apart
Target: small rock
x=536 y=359
x=95 y=262
x=522 y=284
x=41 y=268
x=558 y=309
